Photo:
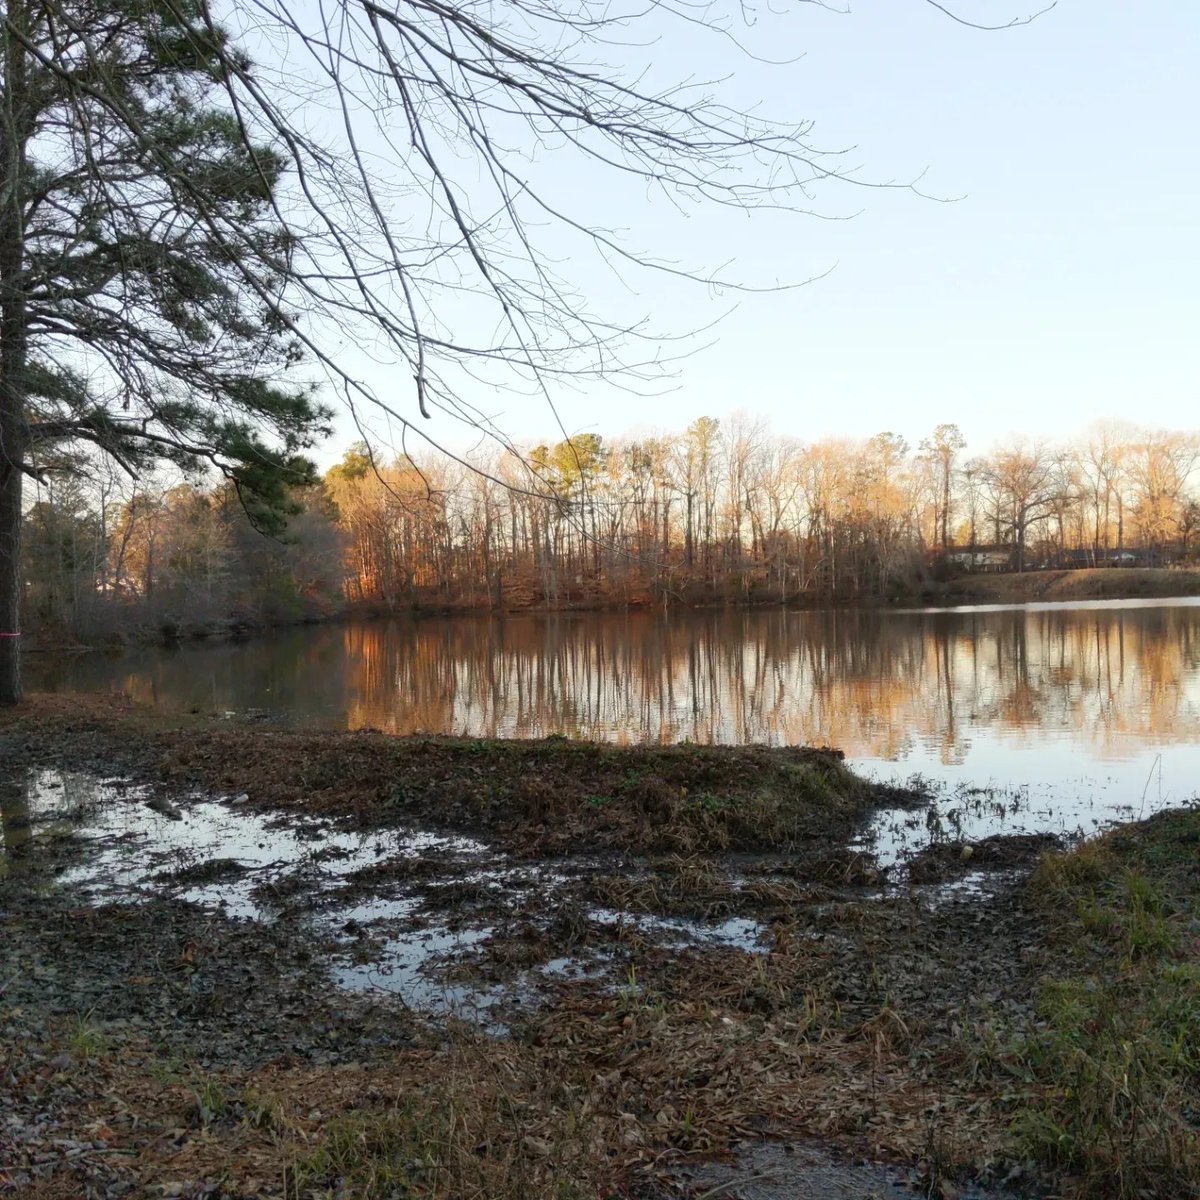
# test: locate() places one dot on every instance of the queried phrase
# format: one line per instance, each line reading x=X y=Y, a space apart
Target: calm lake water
x=1090 y=710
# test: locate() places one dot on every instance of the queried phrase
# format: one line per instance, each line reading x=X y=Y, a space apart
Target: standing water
x=1039 y=716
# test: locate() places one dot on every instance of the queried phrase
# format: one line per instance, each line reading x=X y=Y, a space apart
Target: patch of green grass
x=260 y=1111
x=167 y=1068
x=645 y=798
x=1112 y=1066
x=86 y=1039
x=1064 y=875
x=210 y=1101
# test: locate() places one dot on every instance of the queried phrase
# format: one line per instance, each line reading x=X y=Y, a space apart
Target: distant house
x=1077 y=559
x=997 y=556
x=993 y=557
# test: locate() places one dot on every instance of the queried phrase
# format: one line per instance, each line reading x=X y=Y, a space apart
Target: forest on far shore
x=724 y=512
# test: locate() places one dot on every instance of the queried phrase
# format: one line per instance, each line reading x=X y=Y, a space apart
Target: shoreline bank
x=1032 y=586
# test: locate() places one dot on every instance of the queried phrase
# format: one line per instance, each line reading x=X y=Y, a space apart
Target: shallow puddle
x=811 y=1171
x=444 y=924
x=975 y=885
x=405 y=967
x=407 y=913
x=674 y=932
x=102 y=839
x=195 y=848
x=1069 y=809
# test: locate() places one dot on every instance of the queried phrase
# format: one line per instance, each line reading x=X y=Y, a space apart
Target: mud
x=812 y=1171
x=805 y=987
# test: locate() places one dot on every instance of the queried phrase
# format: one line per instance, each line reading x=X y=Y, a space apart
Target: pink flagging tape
x=10 y=635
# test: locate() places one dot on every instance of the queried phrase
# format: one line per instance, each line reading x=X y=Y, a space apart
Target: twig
x=1156 y=763
x=738 y=1180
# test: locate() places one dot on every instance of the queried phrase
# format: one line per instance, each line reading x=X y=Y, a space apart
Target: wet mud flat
x=533 y=969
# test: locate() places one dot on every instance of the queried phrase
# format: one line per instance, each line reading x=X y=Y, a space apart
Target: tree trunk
x=11 y=452
x=13 y=340
x=946 y=505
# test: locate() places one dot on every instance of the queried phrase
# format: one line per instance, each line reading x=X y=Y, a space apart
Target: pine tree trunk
x=11 y=451
x=13 y=341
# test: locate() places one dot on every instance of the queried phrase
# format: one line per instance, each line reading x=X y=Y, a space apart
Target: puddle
x=241 y=863
x=402 y=912
x=675 y=932
x=407 y=967
x=371 y=912
x=1070 y=808
x=962 y=815
x=571 y=968
x=791 y=1171
x=387 y=906
x=134 y=851
x=975 y=885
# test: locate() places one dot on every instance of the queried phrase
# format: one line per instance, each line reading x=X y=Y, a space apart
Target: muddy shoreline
x=247 y=962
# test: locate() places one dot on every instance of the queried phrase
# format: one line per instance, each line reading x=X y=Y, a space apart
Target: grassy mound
x=550 y=796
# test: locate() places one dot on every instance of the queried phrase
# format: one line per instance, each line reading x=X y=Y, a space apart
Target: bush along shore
x=239 y=961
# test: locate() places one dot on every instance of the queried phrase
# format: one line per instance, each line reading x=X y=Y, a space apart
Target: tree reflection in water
x=877 y=683
x=14 y=823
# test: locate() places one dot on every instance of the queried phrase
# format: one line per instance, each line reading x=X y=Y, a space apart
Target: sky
x=1046 y=278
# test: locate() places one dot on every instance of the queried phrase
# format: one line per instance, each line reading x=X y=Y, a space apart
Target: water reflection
x=41 y=803
x=1110 y=680
x=14 y=825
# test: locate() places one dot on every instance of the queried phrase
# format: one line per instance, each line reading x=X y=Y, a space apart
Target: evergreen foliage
x=144 y=264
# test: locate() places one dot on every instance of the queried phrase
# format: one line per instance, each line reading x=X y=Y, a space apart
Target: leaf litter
x=583 y=964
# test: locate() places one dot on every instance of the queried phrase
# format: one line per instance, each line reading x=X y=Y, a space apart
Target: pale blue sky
x=1060 y=287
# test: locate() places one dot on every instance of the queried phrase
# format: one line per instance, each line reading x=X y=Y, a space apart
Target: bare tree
x=370 y=220
x=1161 y=466
x=943 y=449
x=1026 y=480
x=1104 y=463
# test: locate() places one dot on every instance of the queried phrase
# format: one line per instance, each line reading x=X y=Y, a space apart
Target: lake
x=1082 y=712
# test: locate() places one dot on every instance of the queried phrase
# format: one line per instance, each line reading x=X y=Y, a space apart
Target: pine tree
x=143 y=266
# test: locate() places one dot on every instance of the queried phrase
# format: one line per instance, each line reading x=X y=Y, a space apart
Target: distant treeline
x=722 y=512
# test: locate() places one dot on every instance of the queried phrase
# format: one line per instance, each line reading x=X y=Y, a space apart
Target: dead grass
x=860 y=1022
x=598 y=1098
x=604 y=1099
